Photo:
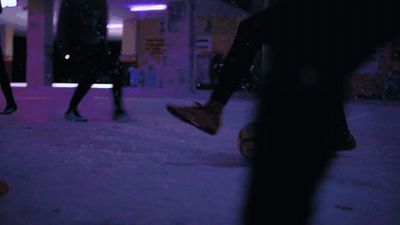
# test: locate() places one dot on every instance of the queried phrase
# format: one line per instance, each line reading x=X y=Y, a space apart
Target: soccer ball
x=246 y=140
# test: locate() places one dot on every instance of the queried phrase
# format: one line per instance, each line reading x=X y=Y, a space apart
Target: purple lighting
x=147 y=7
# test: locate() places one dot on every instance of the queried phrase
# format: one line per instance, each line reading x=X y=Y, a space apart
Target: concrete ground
x=154 y=170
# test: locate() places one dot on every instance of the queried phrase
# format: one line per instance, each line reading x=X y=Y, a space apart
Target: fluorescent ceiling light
x=8 y=3
x=73 y=85
x=147 y=7
x=18 y=84
x=115 y=26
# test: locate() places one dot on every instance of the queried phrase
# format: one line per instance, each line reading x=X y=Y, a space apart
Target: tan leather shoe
x=204 y=117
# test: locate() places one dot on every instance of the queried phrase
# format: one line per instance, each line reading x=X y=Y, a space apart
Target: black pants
x=5 y=82
x=91 y=61
x=316 y=45
x=252 y=33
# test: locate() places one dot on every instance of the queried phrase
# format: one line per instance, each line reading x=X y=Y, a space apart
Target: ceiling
x=17 y=16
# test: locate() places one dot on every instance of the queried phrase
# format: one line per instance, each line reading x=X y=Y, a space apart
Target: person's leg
x=80 y=92
x=11 y=106
x=290 y=158
x=115 y=72
x=251 y=34
x=85 y=64
x=117 y=93
x=371 y=27
x=301 y=109
x=341 y=138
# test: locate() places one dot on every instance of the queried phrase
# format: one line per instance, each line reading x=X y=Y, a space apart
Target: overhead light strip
x=73 y=85
x=63 y=85
x=18 y=84
x=9 y=3
x=147 y=7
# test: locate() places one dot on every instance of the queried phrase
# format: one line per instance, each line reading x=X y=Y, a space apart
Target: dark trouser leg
x=251 y=34
x=290 y=158
x=116 y=75
x=295 y=119
x=5 y=82
x=338 y=116
x=117 y=95
x=80 y=92
x=89 y=66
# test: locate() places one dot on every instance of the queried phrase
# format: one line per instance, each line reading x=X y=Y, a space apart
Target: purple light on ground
x=147 y=7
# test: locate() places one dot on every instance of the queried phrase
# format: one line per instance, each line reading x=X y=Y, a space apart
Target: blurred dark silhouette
x=316 y=44
x=11 y=106
x=252 y=33
x=82 y=39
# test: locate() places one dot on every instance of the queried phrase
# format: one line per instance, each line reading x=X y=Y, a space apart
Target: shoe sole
x=171 y=110
x=75 y=120
x=7 y=113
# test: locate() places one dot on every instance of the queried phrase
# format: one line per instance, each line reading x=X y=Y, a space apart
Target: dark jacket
x=82 y=22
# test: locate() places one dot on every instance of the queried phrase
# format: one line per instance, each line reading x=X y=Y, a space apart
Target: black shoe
x=74 y=116
x=10 y=108
x=120 y=114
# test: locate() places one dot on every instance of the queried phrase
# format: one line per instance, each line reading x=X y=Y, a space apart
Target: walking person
x=82 y=38
x=317 y=44
x=252 y=34
x=11 y=106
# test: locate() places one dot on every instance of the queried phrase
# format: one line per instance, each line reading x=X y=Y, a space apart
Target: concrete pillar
x=129 y=37
x=7 y=44
x=180 y=38
x=39 y=43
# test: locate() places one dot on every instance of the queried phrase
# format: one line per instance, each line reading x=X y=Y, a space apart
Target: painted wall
x=222 y=30
x=149 y=32
x=222 y=33
x=151 y=45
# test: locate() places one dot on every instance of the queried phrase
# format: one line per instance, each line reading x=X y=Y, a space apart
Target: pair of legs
x=316 y=46
x=11 y=106
x=252 y=34
x=90 y=61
